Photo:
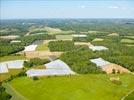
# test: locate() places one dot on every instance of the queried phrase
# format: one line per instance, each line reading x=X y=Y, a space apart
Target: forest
x=7 y=48
x=61 y=45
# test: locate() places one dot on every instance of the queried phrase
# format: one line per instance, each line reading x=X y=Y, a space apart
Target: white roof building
x=48 y=72
x=15 y=64
x=3 y=68
x=57 y=64
x=100 y=62
x=79 y=35
x=15 y=41
x=56 y=67
x=97 y=48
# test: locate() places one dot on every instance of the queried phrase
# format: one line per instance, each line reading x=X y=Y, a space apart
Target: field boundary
x=13 y=92
x=123 y=98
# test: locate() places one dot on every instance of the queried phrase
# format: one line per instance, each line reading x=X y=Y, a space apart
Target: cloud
x=113 y=7
x=82 y=6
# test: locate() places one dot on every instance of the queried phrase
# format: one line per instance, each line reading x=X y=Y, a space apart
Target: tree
x=113 y=71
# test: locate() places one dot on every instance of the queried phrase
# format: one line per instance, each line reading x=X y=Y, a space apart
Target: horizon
x=63 y=9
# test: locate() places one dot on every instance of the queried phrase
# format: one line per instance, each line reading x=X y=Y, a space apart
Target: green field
x=131 y=37
x=64 y=37
x=127 y=41
x=11 y=72
x=42 y=47
x=7 y=58
x=80 y=87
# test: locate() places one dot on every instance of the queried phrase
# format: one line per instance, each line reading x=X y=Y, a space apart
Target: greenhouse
x=15 y=64
x=3 y=68
x=100 y=62
x=57 y=64
x=30 y=48
x=48 y=72
x=97 y=48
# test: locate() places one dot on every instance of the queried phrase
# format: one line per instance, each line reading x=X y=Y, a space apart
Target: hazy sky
x=12 y=9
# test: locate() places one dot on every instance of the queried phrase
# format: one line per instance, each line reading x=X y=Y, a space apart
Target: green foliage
x=3 y=94
x=113 y=71
x=6 y=48
x=27 y=40
x=35 y=62
x=35 y=78
x=117 y=52
x=61 y=45
x=79 y=61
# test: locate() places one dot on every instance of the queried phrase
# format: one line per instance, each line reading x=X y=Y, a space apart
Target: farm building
x=56 y=67
x=97 y=48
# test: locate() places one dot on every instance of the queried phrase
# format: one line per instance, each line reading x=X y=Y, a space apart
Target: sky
x=26 y=9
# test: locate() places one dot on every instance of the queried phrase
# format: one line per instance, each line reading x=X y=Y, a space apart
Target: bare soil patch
x=42 y=54
x=109 y=68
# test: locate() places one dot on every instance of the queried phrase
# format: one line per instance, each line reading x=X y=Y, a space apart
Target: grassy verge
x=11 y=91
x=11 y=72
x=7 y=58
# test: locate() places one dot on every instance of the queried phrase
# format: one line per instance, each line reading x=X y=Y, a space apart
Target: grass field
x=80 y=87
x=5 y=76
x=131 y=37
x=127 y=41
x=7 y=58
x=42 y=47
x=64 y=37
